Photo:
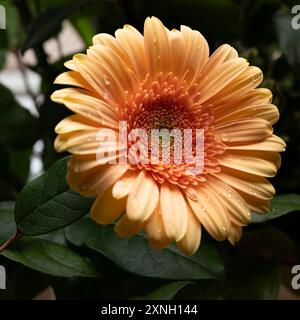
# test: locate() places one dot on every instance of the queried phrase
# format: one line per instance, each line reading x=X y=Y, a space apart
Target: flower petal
x=155 y=230
x=93 y=109
x=133 y=43
x=235 y=233
x=243 y=131
x=214 y=82
x=211 y=214
x=248 y=183
x=174 y=211
x=124 y=185
x=236 y=206
x=197 y=53
x=190 y=243
x=260 y=163
x=128 y=228
x=271 y=144
x=106 y=209
x=143 y=197
x=156 y=46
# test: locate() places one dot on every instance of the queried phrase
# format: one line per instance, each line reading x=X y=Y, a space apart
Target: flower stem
x=10 y=240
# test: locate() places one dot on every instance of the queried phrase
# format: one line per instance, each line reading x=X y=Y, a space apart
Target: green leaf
x=136 y=256
x=18 y=128
x=50 y=258
x=280 y=205
x=47 y=203
x=166 y=292
x=46 y=25
x=7 y=222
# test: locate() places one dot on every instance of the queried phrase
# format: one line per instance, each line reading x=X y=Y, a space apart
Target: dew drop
x=202 y=210
x=224 y=137
x=106 y=80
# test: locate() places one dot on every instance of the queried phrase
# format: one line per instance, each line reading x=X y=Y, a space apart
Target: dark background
x=260 y=30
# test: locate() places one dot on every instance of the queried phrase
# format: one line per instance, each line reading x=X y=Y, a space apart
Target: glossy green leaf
x=135 y=255
x=47 y=203
x=50 y=258
x=280 y=206
x=7 y=222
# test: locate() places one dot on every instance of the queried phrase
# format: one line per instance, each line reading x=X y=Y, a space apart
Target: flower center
x=169 y=106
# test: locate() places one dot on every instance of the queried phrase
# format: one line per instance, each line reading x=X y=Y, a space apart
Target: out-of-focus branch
x=22 y=69
x=26 y=19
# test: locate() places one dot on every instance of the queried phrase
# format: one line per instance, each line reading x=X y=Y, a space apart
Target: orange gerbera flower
x=166 y=80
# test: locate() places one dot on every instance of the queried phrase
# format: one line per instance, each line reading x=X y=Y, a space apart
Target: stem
x=10 y=240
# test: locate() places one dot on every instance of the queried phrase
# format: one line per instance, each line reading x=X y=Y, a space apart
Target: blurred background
x=41 y=35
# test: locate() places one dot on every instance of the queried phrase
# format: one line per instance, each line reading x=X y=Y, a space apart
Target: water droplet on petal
x=224 y=137
x=106 y=80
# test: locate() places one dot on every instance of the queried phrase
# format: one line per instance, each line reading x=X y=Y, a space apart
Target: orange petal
x=155 y=230
x=197 y=53
x=211 y=214
x=124 y=185
x=190 y=243
x=93 y=109
x=143 y=197
x=243 y=131
x=133 y=43
x=106 y=209
x=260 y=163
x=236 y=206
x=216 y=80
x=174 y=211
x=248 y=183
x=156 y=46
x=235 y=234
x=128 y=228
x=271 y=144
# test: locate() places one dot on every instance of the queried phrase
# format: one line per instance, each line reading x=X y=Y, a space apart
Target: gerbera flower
x=165 y=80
